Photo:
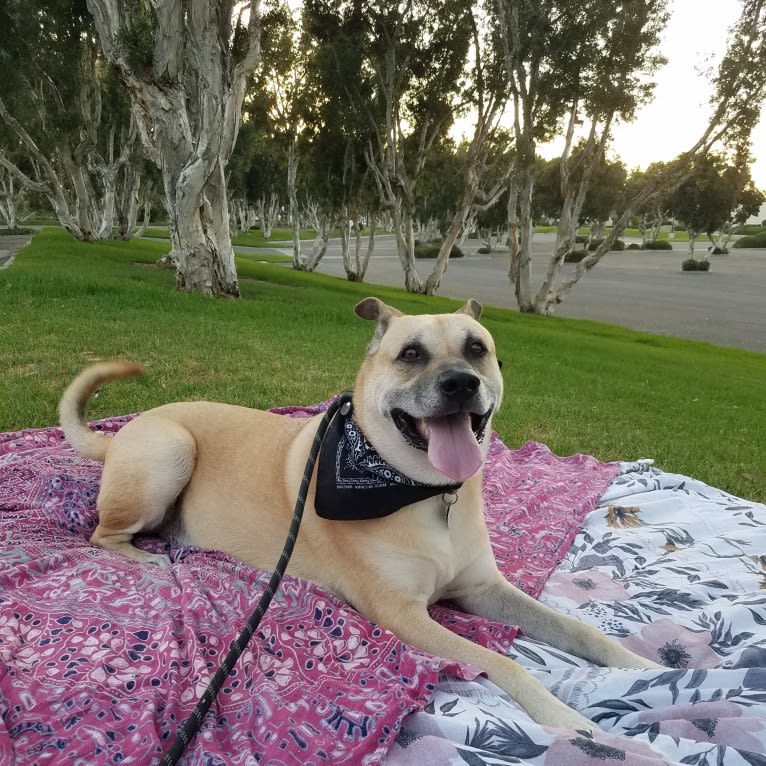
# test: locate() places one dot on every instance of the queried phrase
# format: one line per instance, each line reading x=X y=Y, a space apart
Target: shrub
x=575 y=256
x=750 y=228
x=580 y=239
x=432 y=250
x=719 y=251
x=692 y=264
x=754 y=240
x=633 y=246
x=18 y=230
x=658 y=244
x=618 y=244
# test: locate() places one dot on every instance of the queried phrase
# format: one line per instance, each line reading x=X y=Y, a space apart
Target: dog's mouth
x=451 y=441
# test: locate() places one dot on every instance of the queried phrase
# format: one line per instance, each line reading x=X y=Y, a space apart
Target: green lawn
x=279 y=237
x=578 y=386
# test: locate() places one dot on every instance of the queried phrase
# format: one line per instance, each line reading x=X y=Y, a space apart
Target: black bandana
x=354 y=483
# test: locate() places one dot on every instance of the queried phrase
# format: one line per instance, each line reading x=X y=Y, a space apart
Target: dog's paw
x=557 y=715
x=158 y=560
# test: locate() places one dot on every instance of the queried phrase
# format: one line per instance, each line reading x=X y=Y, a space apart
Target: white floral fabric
x=675 y=570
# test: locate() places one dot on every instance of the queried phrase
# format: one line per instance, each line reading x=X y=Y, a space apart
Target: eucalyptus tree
x=604 y=196
x=399 y=66
x=736 y=102
x=543 y=41
x=714 y=198
x=67 y=132
x=185 y=66
x=569 y=65
x=649 y=216
x=488 y=146
x=282 y=94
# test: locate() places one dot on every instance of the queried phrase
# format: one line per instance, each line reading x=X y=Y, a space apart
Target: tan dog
x=424 y=400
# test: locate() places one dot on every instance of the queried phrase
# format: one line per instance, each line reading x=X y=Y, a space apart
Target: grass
x=578 y=386
x=254 y=238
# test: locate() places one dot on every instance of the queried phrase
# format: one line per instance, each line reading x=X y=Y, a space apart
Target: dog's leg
x=412 y=624
x=146 y=469
x=501 y=601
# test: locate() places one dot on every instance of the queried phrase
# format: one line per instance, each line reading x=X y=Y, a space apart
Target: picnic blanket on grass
x=674 y=569
x=102 y=658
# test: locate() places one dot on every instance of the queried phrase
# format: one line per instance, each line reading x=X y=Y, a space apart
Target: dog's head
x=427 y=390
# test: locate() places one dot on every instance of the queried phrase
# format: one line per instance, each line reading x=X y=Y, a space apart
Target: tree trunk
x=187 y=100
x=202 y=249
x=292 y=194
x=521 y=265
x=405 y=245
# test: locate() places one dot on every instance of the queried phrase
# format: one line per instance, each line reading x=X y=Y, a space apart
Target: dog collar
x=354 y=483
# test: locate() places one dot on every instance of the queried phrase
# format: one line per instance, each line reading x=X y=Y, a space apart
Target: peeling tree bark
x=187 y=100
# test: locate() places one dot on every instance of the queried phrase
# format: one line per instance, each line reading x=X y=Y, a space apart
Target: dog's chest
x=431 y=550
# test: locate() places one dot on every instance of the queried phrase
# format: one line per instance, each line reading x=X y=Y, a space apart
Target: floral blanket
x=102 y=658
x=674 y=569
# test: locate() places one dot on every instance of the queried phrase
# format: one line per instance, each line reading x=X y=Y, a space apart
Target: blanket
x=674 y=569
x=101 y=659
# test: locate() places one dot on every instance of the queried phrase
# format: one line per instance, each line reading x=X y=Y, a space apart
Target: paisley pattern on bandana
x=354 y=483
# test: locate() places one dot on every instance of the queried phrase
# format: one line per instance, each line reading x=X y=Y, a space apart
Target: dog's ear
x=472 y=307
x=375 y=309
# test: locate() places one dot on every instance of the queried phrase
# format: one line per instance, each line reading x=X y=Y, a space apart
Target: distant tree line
x=339 y=116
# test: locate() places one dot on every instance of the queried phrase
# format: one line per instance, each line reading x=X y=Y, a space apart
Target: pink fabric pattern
x=101 y=658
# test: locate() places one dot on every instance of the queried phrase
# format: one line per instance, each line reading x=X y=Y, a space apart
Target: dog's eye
x=410 y=354
x=477 y=348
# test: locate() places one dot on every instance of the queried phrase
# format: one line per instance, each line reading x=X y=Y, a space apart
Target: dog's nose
x=459 y=386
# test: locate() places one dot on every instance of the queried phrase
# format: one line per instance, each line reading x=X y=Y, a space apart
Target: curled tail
x=75 y=398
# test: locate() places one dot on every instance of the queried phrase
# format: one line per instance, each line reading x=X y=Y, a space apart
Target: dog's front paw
x=560 y=716
x=158 y=560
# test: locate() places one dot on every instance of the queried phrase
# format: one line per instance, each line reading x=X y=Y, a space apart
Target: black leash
x=192 y=724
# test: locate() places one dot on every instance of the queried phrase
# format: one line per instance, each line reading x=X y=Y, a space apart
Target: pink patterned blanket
x=101 y=658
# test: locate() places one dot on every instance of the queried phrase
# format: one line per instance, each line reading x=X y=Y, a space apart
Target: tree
x=569 y=64
x=185 y=66
x=651 y=214
x=399 y=66
x=739 y=90
x=713 y=198
x=67 y=130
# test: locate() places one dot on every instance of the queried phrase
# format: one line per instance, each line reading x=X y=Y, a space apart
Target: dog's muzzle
x=451 y=439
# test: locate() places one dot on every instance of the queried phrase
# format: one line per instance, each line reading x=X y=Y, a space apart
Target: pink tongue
x=452 y=447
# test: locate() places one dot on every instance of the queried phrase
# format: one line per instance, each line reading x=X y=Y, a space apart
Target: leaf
x=698 y=676
x=639 y=686
x=615 y=704
x=447 y=706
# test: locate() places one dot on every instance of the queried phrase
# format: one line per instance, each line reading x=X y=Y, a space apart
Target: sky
x=694 y=39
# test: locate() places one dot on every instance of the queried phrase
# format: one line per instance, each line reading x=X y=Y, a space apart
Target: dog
x=394 y=518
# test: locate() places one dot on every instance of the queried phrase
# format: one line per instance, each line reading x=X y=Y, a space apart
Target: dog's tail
x=72 y=406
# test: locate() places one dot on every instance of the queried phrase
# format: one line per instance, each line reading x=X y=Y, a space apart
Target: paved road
x=642 y=290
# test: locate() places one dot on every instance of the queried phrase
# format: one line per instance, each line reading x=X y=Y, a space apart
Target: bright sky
x=695 y=39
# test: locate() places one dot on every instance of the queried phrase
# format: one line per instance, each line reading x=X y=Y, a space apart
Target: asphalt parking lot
x=642 y=290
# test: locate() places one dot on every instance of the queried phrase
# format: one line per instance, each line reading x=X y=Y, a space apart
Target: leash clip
x=449 y=499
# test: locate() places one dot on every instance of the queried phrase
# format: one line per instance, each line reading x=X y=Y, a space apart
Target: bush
x=483 y=251
x=750 y=228
x=432 y=250
x=692 y=264
x=633 y=246
x=719 y=251
x=580 y=239
x=618 y=244
x=754 y=240
x=658 y=244
x=18 y=230
x=575 y=256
